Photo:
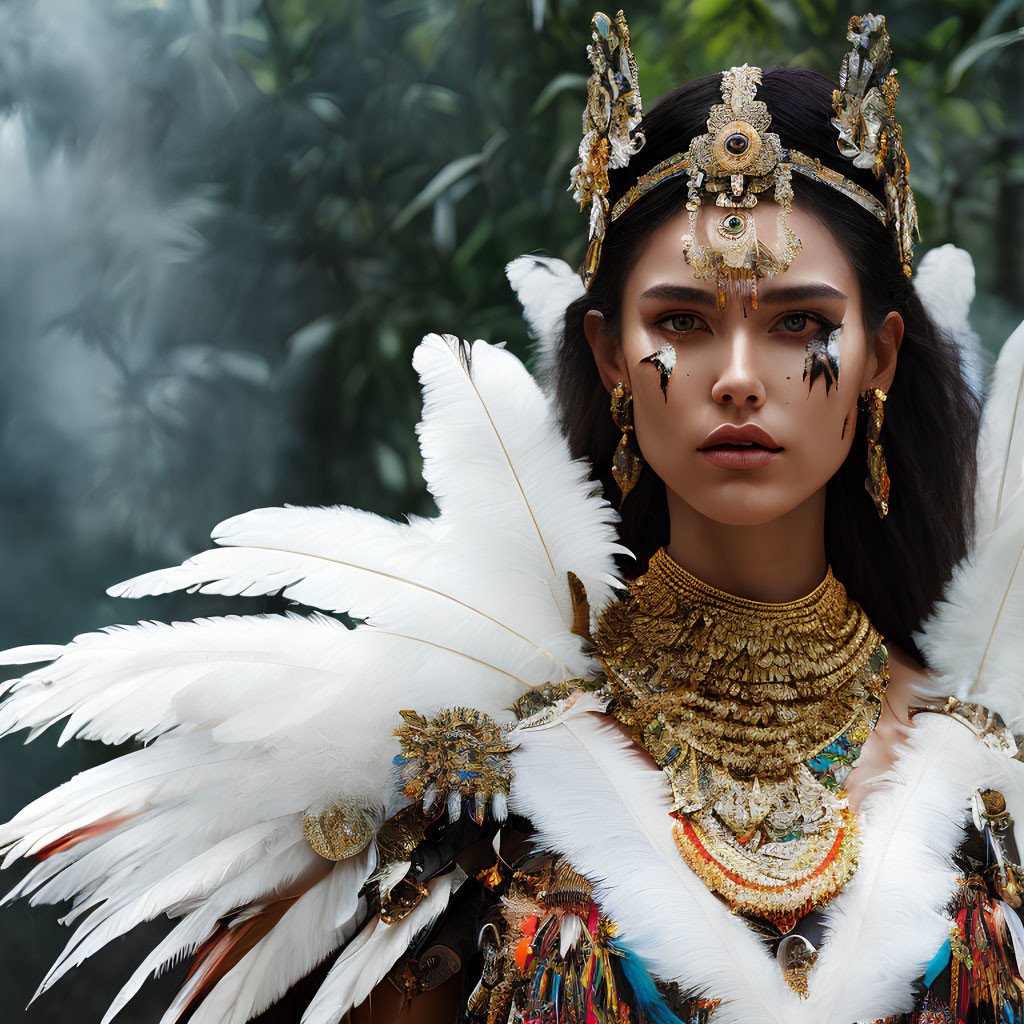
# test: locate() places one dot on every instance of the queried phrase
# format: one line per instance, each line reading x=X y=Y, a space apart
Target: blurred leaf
x=568 y=80
x=966 y=59
x=312 y=339
x=444 y=179
x=997 y=15
x=942 y=34
x=964 y=115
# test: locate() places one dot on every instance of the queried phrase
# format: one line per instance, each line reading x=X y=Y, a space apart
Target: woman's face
x=738 y=434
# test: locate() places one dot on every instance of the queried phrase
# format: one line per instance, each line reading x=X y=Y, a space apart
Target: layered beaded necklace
x=756 y=713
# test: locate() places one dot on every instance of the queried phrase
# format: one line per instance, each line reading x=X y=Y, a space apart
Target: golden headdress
x=738 y=158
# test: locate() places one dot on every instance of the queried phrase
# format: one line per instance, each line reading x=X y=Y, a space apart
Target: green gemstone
x=602 y=25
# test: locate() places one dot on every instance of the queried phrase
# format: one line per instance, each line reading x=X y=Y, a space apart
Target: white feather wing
x=514 y=507
x=256 y=720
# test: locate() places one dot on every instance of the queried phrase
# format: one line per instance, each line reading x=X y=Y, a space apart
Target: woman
x=714 y=796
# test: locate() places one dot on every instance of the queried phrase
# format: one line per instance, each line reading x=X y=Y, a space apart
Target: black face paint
x=665 y=361
x=822 y=358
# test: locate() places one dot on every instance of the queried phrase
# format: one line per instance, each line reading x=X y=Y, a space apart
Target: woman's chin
x=745 y=506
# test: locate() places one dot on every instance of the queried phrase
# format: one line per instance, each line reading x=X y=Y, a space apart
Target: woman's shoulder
x=909 y=680
x=913 y=690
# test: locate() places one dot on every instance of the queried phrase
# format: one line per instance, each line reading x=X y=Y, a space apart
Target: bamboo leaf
x=973 y=53
x=444 y=179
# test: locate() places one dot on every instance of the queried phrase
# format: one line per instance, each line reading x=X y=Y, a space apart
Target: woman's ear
x=885 y=351
x=611 y=364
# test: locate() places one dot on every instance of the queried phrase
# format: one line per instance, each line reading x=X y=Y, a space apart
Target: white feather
x=546 y=287
x=210 y=876
x=944 y=282
x=302 y=939
x=373 y=953
x=1016 y=930
x=1001 y=442
x=569 y=930
x=974 y=636
x=123 y=682
x=29 y=655
x=214 y=898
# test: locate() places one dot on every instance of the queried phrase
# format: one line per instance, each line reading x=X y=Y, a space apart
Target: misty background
x=225 y=224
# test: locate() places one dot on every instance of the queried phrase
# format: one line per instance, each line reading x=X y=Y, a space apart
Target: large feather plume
x=254 y=720
x=973 y=640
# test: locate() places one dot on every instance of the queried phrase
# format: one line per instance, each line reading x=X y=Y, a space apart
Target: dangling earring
x=627 y=462
x=877 y=483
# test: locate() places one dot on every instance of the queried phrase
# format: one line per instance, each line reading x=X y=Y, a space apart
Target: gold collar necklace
x=756 y=712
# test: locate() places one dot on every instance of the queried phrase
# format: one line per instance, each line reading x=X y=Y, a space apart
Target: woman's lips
x=745 y=447
x=737 y=457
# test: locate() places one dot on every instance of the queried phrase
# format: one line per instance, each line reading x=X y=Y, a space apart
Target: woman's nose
x=738 y=382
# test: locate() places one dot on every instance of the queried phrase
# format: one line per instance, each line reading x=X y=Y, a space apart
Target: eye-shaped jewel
x=737 y=144
x=732 y=225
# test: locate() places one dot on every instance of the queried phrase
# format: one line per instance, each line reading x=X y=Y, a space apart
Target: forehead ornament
x=736 y=160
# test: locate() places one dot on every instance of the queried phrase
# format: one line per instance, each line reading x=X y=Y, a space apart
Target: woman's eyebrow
x=680 y=293
x=800 y=293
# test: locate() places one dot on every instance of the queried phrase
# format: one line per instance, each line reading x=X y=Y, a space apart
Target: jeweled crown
x=738 y=158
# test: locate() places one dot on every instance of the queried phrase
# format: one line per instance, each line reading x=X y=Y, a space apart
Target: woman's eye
x=795 y=322
x=683 y=322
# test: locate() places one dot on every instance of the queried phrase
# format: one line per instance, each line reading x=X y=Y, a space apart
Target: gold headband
x=677 y=165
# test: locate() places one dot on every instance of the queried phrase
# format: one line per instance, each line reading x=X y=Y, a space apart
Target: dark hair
x=895 y=568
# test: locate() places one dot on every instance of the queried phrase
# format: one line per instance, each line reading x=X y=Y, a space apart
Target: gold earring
x=877 y=483
x=627 y=462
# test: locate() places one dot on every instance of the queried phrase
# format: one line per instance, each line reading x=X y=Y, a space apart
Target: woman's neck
x=781 y=560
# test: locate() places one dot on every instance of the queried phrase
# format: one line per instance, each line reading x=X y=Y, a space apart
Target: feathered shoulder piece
x=263 y=816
